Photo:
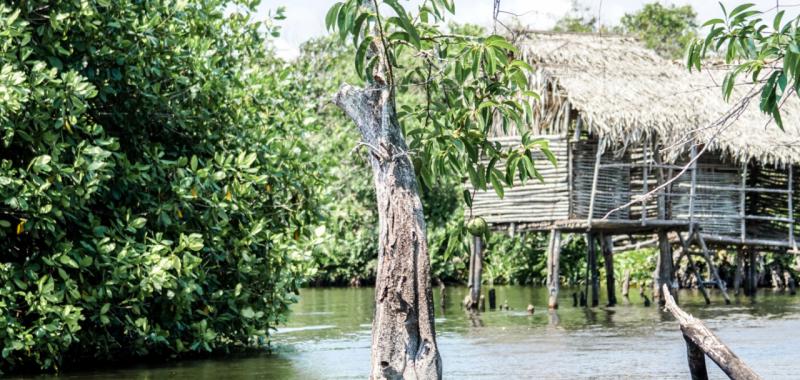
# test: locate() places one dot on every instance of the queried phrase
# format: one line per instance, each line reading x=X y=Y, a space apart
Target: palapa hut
x=622 y=121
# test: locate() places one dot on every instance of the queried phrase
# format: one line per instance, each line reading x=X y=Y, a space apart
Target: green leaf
x=497 y=185
x=360 y=54
x=332 y=16
x=467 y=198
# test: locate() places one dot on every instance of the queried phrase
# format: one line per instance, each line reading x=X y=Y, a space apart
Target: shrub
x=154 y=188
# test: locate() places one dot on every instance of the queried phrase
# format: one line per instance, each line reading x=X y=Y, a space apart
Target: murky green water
x=328 y=338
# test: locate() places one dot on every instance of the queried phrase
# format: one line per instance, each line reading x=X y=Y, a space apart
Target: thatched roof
x=626 y=92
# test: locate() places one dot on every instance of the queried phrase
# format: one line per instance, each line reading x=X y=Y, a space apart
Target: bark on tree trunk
x=403 y=335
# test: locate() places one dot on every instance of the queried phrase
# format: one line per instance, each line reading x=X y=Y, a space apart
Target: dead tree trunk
x=403 y=335
x=607 y=247
x=553 y=253
x=695 y=330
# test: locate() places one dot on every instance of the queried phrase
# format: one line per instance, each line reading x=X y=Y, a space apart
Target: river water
x=328 y=337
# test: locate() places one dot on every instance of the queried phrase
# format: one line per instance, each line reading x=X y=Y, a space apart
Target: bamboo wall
x=535 y=201
x=613 y=184
x=716 y=211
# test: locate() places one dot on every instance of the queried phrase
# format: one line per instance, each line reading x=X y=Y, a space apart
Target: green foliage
x=766 y=52
x=346 y=243
x=468 y=84
x=666 y=29
x=155 y=190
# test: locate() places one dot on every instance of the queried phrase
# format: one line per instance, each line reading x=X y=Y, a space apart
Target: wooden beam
x=712 y=267
x=697 y=275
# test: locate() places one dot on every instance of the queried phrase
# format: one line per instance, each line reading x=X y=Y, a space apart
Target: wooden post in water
x=697 y=360
x=553 y=273
x=607 y=245
x=752 y=287
x=712 y=267
x=476 y=267
x=663 y=273
x=693 y=268
x=737 y=277
x=593 y=272
x=626 y=285
x=699 y=337
x=492 y=299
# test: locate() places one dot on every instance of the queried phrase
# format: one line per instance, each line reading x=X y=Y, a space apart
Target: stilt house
x=622 y=122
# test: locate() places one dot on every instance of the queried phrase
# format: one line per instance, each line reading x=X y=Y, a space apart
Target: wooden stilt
x=593 y=272
x=476 y=264
x=737 y=277
x=492 y=299
x=712 y=267
x=553 y=274
x=663 y=273
x=751 y=274
x=608 y=261
x=787 y=277
x=626 y=285
x=693 y=268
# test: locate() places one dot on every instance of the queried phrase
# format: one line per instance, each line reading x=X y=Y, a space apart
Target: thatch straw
x=626 y=93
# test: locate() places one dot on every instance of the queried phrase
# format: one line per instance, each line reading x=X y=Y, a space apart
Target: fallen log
x=698 y=336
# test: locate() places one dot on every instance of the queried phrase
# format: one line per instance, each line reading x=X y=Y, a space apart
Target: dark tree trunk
x=403 y=335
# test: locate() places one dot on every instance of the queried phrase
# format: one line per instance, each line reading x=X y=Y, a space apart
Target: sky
x=305 y=18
